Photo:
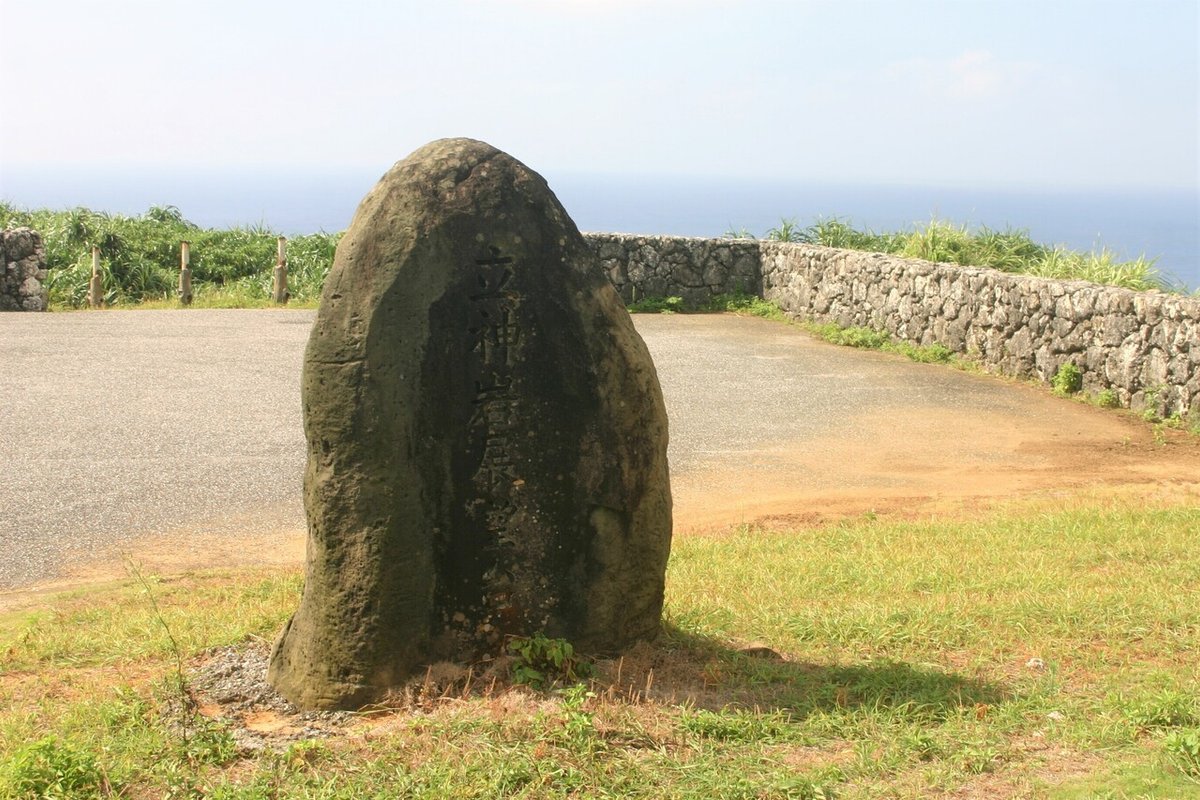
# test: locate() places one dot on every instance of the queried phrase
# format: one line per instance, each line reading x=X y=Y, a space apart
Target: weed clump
x=540 y=661
x=1183 y=748
x=742 y=303
x=1107 y=398
x=657 y=305
x=50 y=767
x=1067 y=380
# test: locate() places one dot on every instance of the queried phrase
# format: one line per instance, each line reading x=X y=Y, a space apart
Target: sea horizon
x=1162 y=224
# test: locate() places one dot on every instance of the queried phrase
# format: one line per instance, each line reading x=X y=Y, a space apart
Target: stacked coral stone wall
x=22 y=271
x=665 y=266
x=1143 y=346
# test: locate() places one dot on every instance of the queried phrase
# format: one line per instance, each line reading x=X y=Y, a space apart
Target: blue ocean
x=1164 y=225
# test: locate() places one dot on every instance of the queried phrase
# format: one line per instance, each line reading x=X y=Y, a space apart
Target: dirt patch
x=903 y=466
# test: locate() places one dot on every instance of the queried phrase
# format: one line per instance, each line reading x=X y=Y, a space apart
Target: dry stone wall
x=666 y=266
x=23 y=265
x=1142 y=346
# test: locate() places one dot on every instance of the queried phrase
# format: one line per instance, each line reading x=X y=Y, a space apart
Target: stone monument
x=486 y=438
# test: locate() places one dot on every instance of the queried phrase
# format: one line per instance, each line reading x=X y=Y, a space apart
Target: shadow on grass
x=702 y=672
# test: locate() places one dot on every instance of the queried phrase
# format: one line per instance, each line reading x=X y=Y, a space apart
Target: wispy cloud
x=972 y=75
x=603 y=6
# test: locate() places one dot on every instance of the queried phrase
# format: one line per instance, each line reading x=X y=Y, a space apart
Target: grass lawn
x=1036 y=653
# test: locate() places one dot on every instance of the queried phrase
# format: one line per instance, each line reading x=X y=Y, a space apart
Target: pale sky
x=1055 y=93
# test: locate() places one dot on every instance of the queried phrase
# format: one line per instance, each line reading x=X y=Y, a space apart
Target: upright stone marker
x=486 y=437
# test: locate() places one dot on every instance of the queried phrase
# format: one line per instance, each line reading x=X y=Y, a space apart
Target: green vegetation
x=1038 y=653
x=539 y=661
x=735 y=303
x=742 y=303
x=657 y=305
x=139 y=258
x=1184 y=748
x=1068 y=380
x=870 y=339
x=1008 y=250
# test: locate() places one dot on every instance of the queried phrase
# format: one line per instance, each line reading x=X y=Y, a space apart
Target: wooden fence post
x=95 y=296
x=185 y=273
x=279 y=290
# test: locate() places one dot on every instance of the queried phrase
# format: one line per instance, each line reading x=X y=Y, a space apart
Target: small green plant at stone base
x=850 y=337
x=657 y=305
x=1068 y=380
x=1183 y=748
x=869 y=339
x=540 y=661
x=931 y=354
x=1150 y=404
x=1107 y=398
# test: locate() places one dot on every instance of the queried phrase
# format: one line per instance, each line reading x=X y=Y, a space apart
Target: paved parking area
x=175 y=436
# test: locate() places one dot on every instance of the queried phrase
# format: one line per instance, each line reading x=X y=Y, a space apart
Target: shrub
x=539 y=660
x=1068 y=380
x=1107 y=398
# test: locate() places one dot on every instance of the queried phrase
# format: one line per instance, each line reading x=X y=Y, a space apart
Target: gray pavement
x=163 y=425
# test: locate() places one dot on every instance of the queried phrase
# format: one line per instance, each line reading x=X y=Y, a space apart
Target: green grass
x=747 y=304
x=734 y=303
x=870 y=339
x=1009 y=250
x=139 y=258
x=658 y=305
x=1035 y=653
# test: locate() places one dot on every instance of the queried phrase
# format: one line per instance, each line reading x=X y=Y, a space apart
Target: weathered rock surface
x=22 y=271
x=486 y=437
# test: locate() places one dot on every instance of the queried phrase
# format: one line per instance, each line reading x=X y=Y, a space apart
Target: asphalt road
x=173 y=427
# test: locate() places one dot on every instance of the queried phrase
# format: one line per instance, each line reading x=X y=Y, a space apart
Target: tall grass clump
x=1009 y=250
x=139 y=257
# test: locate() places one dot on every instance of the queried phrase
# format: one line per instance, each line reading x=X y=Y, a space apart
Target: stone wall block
x=22 y=279
x=688 y=276
x=1147 y=307
x=716 y=276
x=1178 y=369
